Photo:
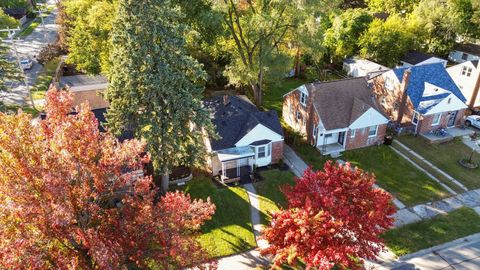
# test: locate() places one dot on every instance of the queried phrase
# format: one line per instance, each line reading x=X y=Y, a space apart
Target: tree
x=334 y=217
x=392 y=6
x=9 y=71
x=7 y=21
x=155 y=87
x=258 y=32
x=342 y=37
x=73 y=198
x=469 y=14
x=385 y=42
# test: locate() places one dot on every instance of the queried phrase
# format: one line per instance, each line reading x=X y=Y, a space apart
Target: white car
x=473 y=120
x=26 y=64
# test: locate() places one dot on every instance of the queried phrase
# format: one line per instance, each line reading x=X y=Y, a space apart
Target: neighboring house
x=335 y=116
x=356 y=67
x=416 y=58
x=467 y=78
x=248 y=137
x=465 y=52
x=86 y=88
x=424 y=96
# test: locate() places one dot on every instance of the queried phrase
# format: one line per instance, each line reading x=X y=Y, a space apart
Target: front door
x=452 y=118
x=341 y=137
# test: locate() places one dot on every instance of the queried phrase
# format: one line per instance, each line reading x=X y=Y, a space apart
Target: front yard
x=396 y=175
x=230 y=230
x=446 y=156
x=432 y=232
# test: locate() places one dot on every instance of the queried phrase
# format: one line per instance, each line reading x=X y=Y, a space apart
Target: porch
x=450 y=134
x=333 y=148
x=236 y=164
x=332 y=142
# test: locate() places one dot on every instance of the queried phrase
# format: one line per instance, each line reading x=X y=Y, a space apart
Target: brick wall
x=291 y=104
x=361 y=138
x=277 y=151
x=425 y=124
x=93 y=97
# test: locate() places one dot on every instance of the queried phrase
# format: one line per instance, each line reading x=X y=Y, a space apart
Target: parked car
x=473 y=120
x=26 y=64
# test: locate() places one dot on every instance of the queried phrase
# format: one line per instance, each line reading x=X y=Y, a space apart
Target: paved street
x=30 y=46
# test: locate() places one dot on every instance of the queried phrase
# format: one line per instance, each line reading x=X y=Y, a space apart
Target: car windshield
x=24 y=62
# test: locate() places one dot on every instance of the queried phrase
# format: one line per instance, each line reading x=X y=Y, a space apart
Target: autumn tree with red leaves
x=73 y=198
x=333 y=218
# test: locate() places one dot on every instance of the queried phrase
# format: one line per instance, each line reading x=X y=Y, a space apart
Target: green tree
x=155 y=88
x=9 y=71
x=385 y=42
x=437 y=24
x=392 y=6
x=469 y=14
x=7 y=21
x=342 y=37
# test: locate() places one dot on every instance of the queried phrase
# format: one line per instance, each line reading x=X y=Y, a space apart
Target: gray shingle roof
x=82 y=80
x=234 y=120
x=468 y=48
x=415 y=57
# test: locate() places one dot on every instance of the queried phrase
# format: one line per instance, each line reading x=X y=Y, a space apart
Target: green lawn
x=230 y=230
x=14 y=109
x=273 y=94
x=446 y=157
x=44 y=79
x=410 y=185
x=432 y=232
x=271 y=198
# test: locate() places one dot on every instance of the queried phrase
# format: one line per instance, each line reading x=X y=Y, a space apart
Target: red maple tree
x=72 y=197
x=334 y=217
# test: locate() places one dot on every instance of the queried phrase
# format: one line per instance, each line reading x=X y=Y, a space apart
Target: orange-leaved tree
x=334 y=217
x=72 y=197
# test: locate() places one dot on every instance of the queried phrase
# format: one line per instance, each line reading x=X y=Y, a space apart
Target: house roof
x=415 y=57
x=82 y=80
x=475 y=63
x=339 y=103
x=236 y=119
x=434 y=74
x=16 y=13
x=469 y=48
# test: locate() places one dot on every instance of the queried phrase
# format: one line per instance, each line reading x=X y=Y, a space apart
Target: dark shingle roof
x=236 y=119
x=435 y=74
x=82 y=80
x=475 y=63
x=340 y=103
x=468 y=48
x=415 y=57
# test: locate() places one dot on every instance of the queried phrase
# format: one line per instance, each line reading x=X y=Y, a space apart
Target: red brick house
x=248 y=137
x=335 y=116
x=423 y=96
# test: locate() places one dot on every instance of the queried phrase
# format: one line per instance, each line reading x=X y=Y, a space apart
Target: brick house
x=423 y=96
x=248 y=137
x=86 y=88
x=335 y=116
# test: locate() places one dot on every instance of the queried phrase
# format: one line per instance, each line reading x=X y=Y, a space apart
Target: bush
x=48 y=53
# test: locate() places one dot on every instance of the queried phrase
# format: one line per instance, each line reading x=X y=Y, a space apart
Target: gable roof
x=82 y=80
x=415 y=57
x=475 y=63
x=469 y=48
x=434 y=74
x=339 y=103
x=236 y=119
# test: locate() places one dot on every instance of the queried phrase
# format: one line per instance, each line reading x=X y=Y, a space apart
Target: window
x=328 y=135
x=352 y=133
x=269 y=150
x=464 y=56
x=303 y=98
x=415 y=118
x=315 y=131
x=298 y=115
x=466 y=71
x=372 y=131
x=389 y=83
x=436 y=119
x=261 y=152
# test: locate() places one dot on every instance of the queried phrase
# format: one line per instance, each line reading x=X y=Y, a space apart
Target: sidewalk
x=294 y=162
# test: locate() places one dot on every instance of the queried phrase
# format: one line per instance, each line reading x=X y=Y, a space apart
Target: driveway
x=30 y=46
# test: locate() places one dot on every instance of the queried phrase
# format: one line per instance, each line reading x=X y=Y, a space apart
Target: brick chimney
x=403 y=88
x=476 y=91
x=226 y=100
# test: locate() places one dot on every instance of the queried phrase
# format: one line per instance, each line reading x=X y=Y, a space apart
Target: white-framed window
x=372 y=131
x=466 y=71
x=328 y=135
x=353 y=133
x=436 y=119
x=303 y=98
x=389 y=83
x=315 y=131
x=298 y=115
x=261 y=152
x=415 y=118
x=269 y=148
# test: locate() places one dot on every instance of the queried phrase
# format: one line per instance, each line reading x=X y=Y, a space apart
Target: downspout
x=403 y=88
x=476 y=90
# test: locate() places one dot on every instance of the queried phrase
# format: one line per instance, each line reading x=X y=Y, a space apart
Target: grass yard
x=14 y=109
x=230 y=230
x=271 y=198
x=273 y=94
x=432 y=232
x=446 y=157
x=410 y=185
x=44 y=79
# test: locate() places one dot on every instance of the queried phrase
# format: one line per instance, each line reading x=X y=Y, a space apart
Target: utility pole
x=40 y=12
x=11 y=34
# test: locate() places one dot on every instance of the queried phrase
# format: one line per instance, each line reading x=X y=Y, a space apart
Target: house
x=248 y=137
x=465 y=52
x=467 y=77
x=424 y=96
x=17 y=13
x=335 y=116
x=416 y=58
x=86 y=88
x=356 y=67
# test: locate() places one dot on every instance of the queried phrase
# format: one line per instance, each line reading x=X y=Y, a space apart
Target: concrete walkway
x=296 y=164
x=255 y=214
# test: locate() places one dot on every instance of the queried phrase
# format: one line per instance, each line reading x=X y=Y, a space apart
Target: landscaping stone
x=470 y=198
x=405 y=216
x=448 y=204
x=427 y=211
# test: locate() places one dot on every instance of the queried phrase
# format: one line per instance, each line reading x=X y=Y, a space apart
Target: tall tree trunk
x=297 y=63
x=165 y=179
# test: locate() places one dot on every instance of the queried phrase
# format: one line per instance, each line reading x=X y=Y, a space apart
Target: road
x=30 y=46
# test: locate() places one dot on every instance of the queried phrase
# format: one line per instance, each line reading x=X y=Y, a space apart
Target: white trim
x=353 y=132
x=376 y=131
x=436 y=123
x=415 y=113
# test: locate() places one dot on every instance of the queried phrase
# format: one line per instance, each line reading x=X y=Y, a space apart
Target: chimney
x=226 y=100
x=476 y=91
x=403 y=88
